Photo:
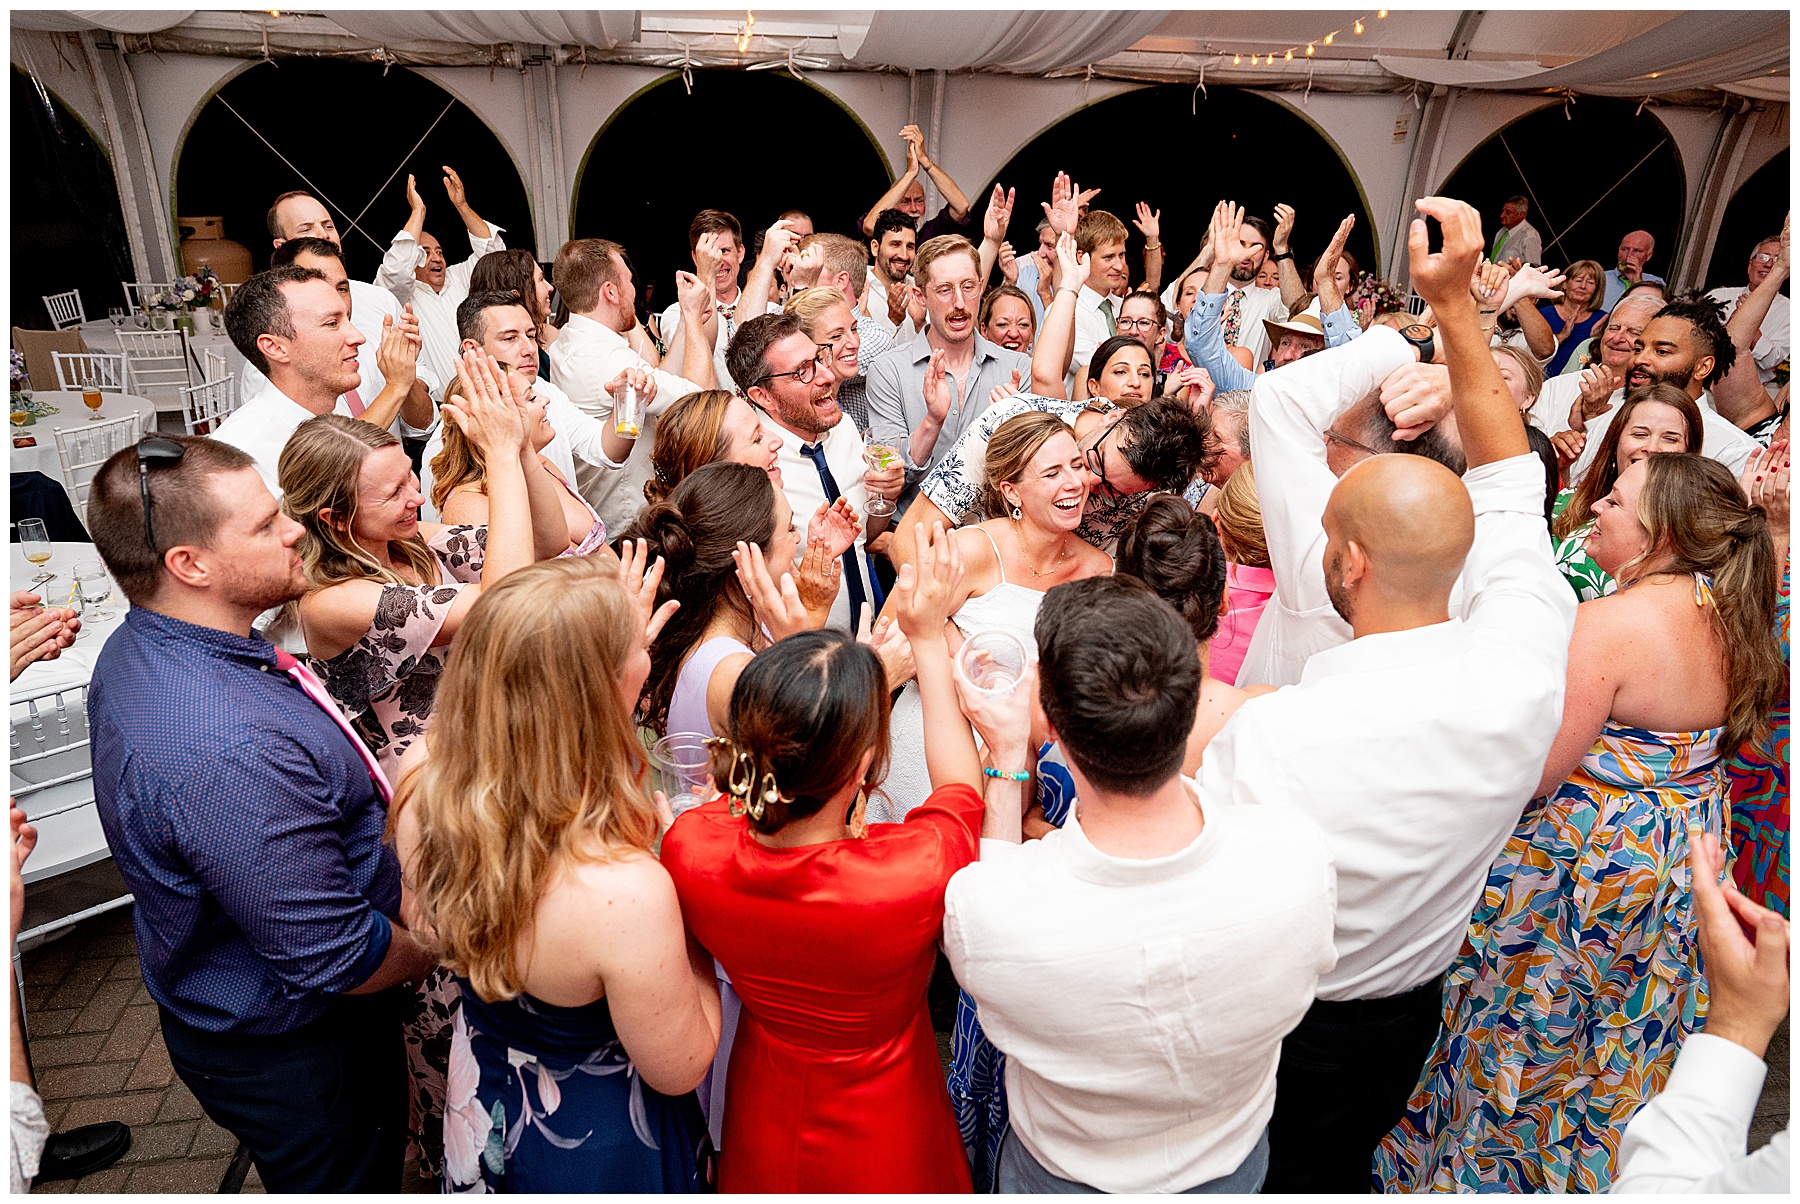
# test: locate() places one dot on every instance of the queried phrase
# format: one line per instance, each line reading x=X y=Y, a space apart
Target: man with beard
x=924 y=396
x=1415 y=745
x=889 y=299
x=247 y=819
x=1684 y=345
x=788 y=377
x=1635 y=250
x=1247 y=305
x=716 y=241
x=417 y=272
x=1616 y=343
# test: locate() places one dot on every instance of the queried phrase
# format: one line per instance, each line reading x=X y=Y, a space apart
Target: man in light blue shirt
x=1635 y=250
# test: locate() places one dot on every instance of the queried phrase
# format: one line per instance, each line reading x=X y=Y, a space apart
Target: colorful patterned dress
x=1587 y=579
x=1578 y=982
x=1757 y=777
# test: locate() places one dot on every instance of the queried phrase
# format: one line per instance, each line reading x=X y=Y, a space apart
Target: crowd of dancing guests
x=1390 y=789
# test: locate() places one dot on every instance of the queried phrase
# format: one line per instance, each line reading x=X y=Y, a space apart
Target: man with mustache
x=924 y=396
x=888 y=298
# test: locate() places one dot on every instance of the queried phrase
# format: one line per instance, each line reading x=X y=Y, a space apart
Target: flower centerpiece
x=26 y=409
x=192 y=293
x=1371 y=297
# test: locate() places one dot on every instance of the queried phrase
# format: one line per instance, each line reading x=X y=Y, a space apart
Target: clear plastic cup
x=992 y=661
x=628 y=414
x=684 y=763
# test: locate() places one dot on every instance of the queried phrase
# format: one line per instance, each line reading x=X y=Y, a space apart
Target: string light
x=1381 y=14
x=1289 y=57
x=1237 y=60
x=743 y=38
x=1253 y=60
x=1309 y=50
x=1330 y=36
x=1359 y=26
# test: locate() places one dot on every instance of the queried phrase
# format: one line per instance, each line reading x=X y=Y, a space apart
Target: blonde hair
x=1009 y=451
x=1534 y=371
x=530 y=764
x=1240 y=519
x=458 y=461
x=1591 y=268
x=934 y=249
x=320 y=469
x=811 y=304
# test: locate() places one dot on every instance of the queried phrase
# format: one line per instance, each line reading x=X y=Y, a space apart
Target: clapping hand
x=1766 y=483
x=1284 y=229
x=999 y=213
x=1595 y=398
x=928 y=590
x=413 y=199
x=397 y=355
x=778 y=607
x=835 y=525
x=641 y=584
x=1001 y=392
x=1009 y=263
x=453 y=187
x=1443 y=277
x=816 y=580
x=484 y=410
x=941 y=390
x=915 y=146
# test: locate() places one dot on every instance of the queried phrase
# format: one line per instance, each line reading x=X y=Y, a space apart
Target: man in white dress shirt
x=1516 y=238
x=788 y=377
x=416 y=272
x=1772 y=343
x=1139 y=966
x=1100 y=237
x=1415 y=746
x=603 y=338
x=293 y=326
x=1683 y=345
x=716 y=241
x=889 y=300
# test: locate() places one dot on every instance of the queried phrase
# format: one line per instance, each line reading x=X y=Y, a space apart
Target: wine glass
x=93 y=587
x=90 y=396
x=879 y=511
x=116 y=315
x=34 y=541
x=139 y=318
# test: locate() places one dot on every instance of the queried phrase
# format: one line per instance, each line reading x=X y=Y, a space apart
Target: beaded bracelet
x=991 y=772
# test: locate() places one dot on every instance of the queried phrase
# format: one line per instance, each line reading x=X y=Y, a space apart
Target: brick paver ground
x=97 y=1047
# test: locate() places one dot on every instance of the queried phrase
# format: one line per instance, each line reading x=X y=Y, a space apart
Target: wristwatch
x=1278 y=256
x=1420 y=336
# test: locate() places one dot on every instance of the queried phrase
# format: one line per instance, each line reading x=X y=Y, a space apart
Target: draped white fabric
x=1023 y=42
x=120 y=20
x=1692 y=50
x=602 y=29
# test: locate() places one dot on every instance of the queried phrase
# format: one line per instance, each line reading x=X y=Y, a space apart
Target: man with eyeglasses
x=247 y=820
x=924 y=396
x=788 y=377
x=1772 y=345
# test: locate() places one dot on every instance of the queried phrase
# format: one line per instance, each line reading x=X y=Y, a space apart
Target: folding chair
x=156 y=359
x=83 y=449
x=65 y=309
x=95 y=368
x=135 y=290
x=204 y=406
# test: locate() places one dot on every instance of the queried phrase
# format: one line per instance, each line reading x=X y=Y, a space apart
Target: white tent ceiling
x=1610 y=52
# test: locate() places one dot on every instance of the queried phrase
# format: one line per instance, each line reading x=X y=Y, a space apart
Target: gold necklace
x=1035 y=572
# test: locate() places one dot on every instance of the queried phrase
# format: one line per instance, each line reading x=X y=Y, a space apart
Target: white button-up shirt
x=436 y=311
x=1721 y=440
x=586 y=356
x=1773 y=343
x=1091 y=329
x=874 y=306
x=1416 y=751
x=805 y=491
x=1690 y=1137
x=675 y=335
x=262 y=426
x=1120 y=989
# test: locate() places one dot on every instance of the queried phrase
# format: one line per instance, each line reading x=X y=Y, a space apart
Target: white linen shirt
x=262 y=426
x=1416 y=751
x=1721 y=440
x=805 y=492
x=1690 y=1137
x=1174 y=980
x=1772 y=343
x=586 y=356
x=436 y=311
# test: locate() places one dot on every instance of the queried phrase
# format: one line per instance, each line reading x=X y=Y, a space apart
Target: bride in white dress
x=1037 y=487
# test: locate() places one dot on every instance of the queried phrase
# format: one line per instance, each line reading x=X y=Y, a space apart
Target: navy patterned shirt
x=244 y=822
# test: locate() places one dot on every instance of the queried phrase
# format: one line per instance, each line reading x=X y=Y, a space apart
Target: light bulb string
x=1308 y=49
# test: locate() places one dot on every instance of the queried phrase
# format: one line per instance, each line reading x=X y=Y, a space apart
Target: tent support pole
x=1421 y=172
x=147 y=224
x=551 y=219
x=1694 y=250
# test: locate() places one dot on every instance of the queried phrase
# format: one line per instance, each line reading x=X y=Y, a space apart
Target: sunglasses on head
x=161 y=452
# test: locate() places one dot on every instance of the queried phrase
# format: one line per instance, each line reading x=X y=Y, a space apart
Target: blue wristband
x=990 y=772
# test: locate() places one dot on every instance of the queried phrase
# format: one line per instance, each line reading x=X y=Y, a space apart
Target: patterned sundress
x=1587 y=579
x=1578 y=982
x=1757 y=779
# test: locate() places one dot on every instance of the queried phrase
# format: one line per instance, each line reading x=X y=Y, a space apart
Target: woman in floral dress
x=1580 y=977
x=389 y=593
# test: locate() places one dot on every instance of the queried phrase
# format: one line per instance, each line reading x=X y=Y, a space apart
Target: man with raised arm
x=908 y=195
x=1417 y=744
x=716 y=241
x=415 y=270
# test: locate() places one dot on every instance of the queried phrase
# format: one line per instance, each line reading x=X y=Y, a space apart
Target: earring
x=1017 y=514
x=858 y=820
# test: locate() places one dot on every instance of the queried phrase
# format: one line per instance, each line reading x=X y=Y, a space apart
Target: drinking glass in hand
x=992 y=661
x=94 y=588
x=879 y=511
x=34 y=541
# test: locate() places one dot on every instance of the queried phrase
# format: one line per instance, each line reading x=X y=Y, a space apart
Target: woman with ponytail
x=1581 y=974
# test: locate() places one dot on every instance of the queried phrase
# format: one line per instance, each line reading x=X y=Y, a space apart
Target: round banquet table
x=75 y=664
x=43 y=457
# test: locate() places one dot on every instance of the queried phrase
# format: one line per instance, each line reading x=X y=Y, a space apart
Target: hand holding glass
x=879 y=512
x=991 y=661
x=683 y=760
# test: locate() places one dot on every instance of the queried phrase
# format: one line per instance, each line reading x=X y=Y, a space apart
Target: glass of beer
x=34 y=541
x=92 y=399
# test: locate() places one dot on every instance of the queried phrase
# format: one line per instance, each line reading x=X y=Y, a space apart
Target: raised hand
x=1009 y=263
x=1284 y=229
x=413 y=199
x=1488 y=284
x=1326 y=269
x=915 y=145
x=1072 y=267
x=1001 y=392
x=778 y=607
x=1199 y=384
x=1538 y=283
x=640 y=579
x=485 y=409
x=1064 y=210
x=707 y=256
x=1595 y=398
x=1226 y=234
x=942 y=393
x=1149 y=223
x=1569 y=445
x=926 y=590
x=835 y=525
x=1745 y=948
x=778 y=240
x=816 y=580
x=1442 y=277
x=453 y=186
x=999 y=213
x=694 y=293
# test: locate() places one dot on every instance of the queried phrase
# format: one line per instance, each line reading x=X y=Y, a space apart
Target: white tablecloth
x=43 y=457
x=75 y=664
x=103 y=337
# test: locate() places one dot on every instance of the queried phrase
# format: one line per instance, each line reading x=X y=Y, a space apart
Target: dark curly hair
x=695 y=530
x=1166 y=443
x=1176 y=552
x=1707 y=317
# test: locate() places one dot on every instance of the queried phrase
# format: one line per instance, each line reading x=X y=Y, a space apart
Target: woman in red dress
x=829 y=927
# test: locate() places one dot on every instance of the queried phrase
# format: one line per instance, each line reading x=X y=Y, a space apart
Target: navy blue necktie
x=852 y=576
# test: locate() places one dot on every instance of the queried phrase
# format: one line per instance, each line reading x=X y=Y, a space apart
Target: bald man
x=1416 y=745
x=416 y=271
x=1635 y=250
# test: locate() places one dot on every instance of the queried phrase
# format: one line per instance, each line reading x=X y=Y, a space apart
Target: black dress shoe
x=83 y=1151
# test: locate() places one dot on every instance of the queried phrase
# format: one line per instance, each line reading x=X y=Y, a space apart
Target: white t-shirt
x=1141 y=1004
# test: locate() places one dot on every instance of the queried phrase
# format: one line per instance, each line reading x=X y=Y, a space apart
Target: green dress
x=1587 y=579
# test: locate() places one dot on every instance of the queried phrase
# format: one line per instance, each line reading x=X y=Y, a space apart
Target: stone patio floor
x=98 y=1051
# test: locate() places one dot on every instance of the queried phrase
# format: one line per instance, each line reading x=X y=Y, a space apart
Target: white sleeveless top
x=1006 y=607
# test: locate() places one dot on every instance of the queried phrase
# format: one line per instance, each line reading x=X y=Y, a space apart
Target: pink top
x=1248 y=590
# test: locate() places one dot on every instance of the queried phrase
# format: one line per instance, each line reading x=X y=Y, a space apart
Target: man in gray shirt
x=924 y=396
